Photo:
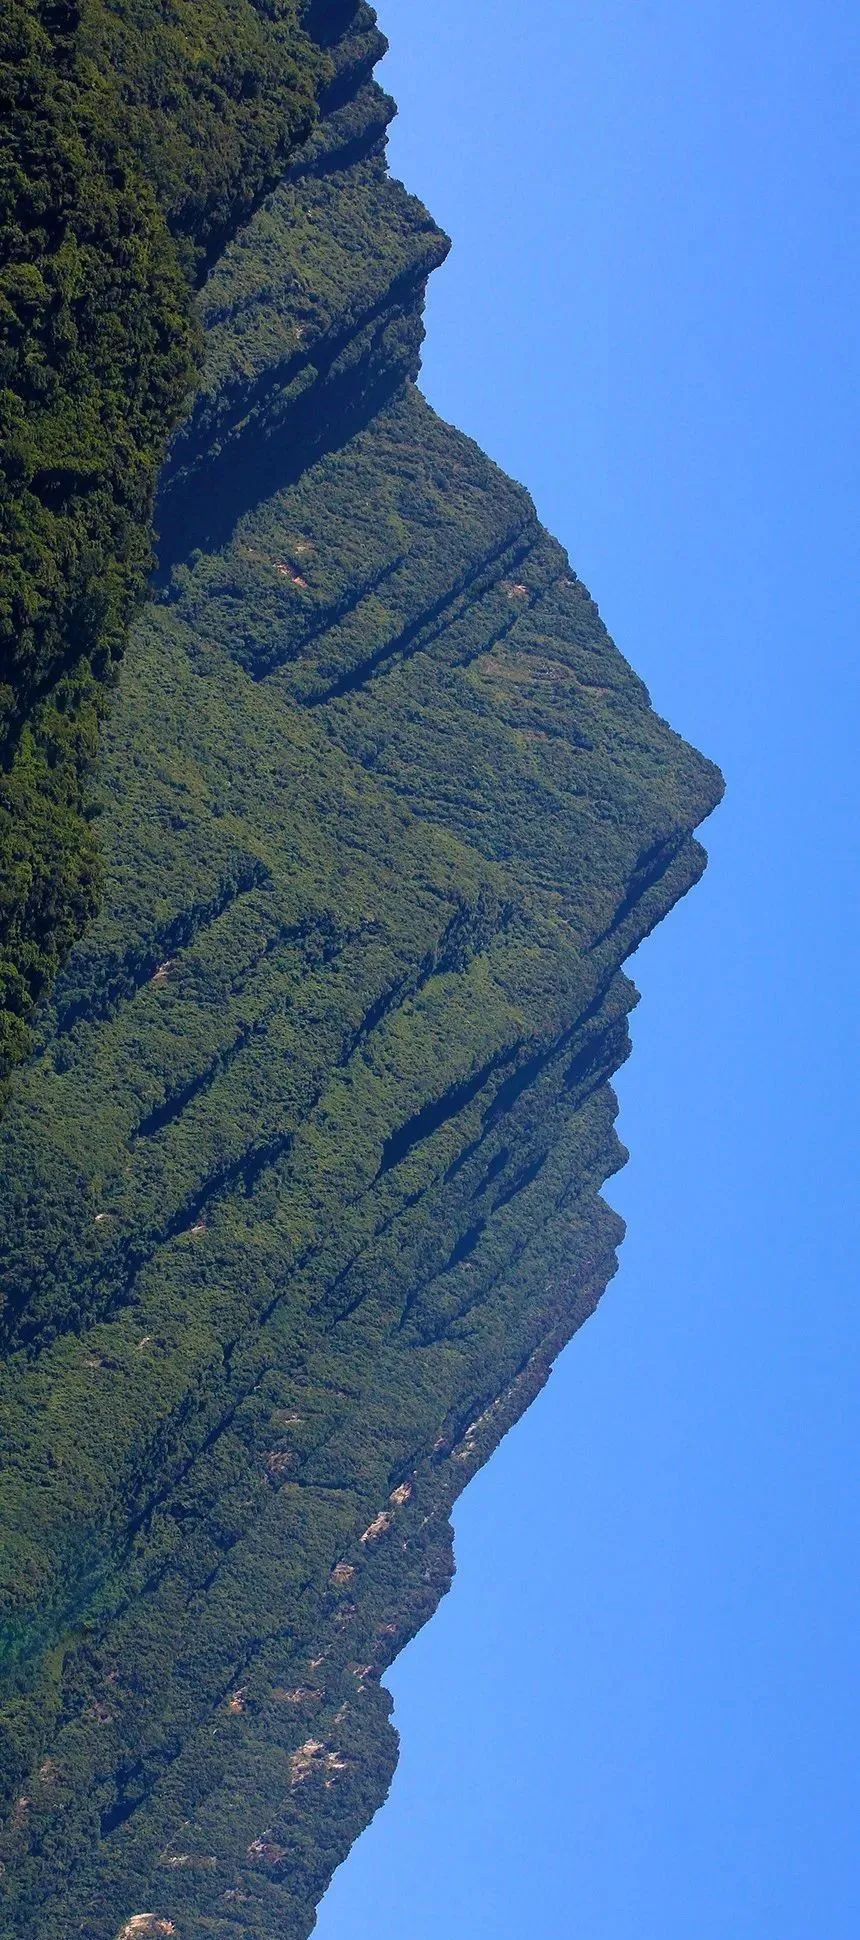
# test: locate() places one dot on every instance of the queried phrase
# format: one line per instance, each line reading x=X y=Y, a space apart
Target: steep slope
x=303 y=1177
x=135 y=135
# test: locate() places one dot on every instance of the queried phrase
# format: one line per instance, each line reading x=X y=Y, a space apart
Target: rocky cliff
x=303 y=1178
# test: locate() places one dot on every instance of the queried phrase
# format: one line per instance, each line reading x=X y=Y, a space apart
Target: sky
x=635 y=1717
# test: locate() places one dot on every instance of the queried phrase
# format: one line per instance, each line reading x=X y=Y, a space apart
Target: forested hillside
x=134 y=137
x=302 y=1177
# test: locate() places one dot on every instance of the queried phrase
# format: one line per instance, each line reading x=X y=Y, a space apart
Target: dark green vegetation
x=303 y=1177
x=134 y=135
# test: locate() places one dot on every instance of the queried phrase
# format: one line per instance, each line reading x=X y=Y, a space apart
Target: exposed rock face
x=303 y=1185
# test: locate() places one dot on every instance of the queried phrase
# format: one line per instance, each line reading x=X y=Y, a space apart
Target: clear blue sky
x=636 y=1716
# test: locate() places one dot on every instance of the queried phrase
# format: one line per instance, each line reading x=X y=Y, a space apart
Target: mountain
x=303 y=1173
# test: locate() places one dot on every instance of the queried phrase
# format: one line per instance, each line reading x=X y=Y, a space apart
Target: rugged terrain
x=302 y=1178
x=135 y=135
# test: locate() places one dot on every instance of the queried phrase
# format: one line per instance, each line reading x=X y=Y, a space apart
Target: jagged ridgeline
x=302 y=1181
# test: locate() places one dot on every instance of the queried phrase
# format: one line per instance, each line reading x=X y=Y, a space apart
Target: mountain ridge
x=304 y=1174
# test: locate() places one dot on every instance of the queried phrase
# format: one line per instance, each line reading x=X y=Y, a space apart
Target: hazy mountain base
x=303 y=1184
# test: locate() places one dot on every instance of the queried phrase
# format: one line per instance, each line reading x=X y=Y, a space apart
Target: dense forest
x=134 y=137
x=302 y=1173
